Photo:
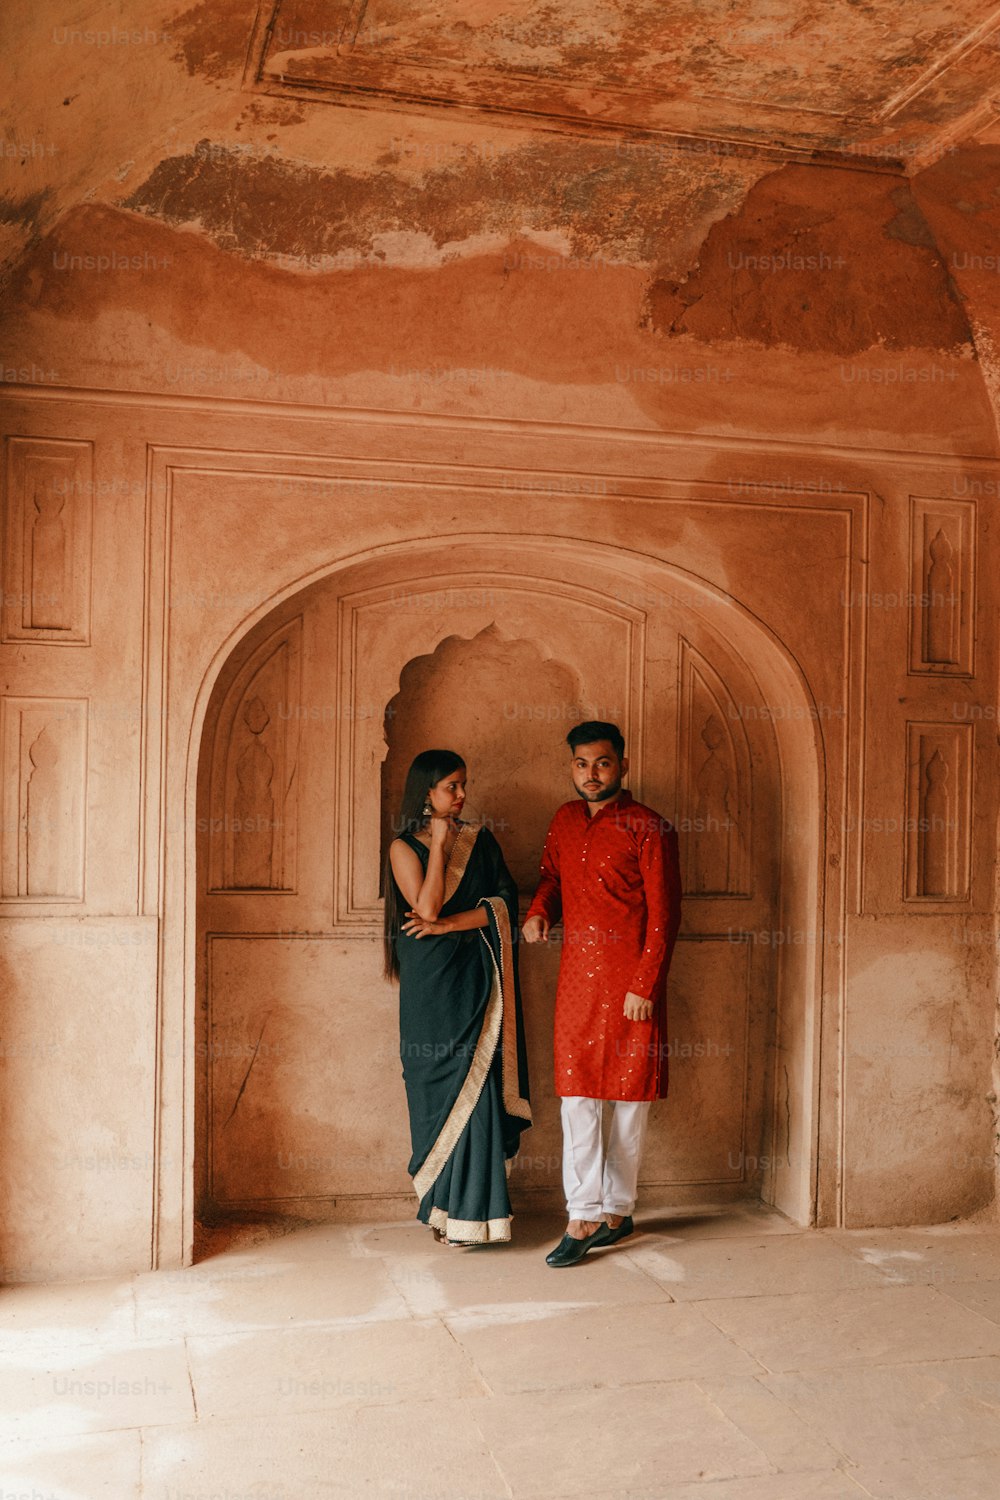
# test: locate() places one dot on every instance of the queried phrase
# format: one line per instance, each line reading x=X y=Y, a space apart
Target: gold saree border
x=470 y=1231
x=504 y=976
x=458 y=860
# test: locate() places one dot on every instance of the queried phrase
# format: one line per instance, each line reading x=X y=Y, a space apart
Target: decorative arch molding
x=716 y=782
x=253 y=809
x=606 y=579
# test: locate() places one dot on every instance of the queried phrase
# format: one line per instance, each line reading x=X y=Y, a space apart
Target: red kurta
x=614 y=877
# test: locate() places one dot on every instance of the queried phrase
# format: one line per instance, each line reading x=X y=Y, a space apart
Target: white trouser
x=596 y=1184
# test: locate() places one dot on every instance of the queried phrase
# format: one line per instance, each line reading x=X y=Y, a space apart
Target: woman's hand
x=439 y=830
x=418 y=927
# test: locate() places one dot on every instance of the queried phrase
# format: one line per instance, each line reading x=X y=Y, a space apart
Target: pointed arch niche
x=529 y=659
x=514 y=776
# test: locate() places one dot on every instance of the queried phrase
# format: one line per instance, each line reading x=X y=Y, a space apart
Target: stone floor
x=721 y=1354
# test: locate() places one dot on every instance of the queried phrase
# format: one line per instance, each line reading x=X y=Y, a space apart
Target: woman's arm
x=459 y=921
x=424 y=891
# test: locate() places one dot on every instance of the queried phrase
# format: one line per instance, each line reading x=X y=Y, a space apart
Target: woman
x=450 y=913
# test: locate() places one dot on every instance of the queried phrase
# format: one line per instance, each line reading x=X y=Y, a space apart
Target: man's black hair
x=592 y=730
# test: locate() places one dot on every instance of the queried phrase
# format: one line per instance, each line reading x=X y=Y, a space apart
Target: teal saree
x=462 y=1048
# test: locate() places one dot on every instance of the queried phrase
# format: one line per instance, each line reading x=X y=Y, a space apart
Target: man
x=610 y=869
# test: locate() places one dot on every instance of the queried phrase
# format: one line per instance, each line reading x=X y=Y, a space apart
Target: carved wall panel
x=43 y=745
x=47 y=541
x=938 y=860
x=714 y=771
x=942 y=586
x=253 y=805
x=305 y=1095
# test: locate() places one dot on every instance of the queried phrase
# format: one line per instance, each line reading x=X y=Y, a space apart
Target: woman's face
x=447 y=796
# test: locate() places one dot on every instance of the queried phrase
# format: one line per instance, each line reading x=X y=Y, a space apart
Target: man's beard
x=603 y=794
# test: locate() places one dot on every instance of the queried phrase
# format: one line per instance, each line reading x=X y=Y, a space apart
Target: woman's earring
x=427 y=810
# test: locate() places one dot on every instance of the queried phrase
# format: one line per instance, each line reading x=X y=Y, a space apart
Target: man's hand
x=535 y=930
x=636 y=1008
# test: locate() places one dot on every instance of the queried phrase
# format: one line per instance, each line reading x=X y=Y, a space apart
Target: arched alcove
x=683 y=710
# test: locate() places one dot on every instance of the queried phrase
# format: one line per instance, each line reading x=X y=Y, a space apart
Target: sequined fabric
x=614 y=878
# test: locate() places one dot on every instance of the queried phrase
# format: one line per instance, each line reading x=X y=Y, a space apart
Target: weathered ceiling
x=188 y=190
x=871 y=82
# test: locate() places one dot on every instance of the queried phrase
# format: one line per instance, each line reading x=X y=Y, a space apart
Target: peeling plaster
x=595 y=199
x=829 y=260
x=213 y=37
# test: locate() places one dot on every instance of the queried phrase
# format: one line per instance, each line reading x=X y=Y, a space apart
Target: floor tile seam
x=648 y=1239
x=872 y=1364
x=812 y=1292
x=411 y=1308
x=494 y=1460
x=419 y=1320
x=733 y=1423
x=501 y=1319
x=861 y=1488
x=56 y=1286
x=935 y=1287
x=688 y=1378
x=646 y=1493
x=8 y=1357
x=469 y=1403
x=945 y=1292
x=986 y=1322
x=722 y=1302
x=886 y=1285
x=198 y=1278
x=346 y=1321
x=951 y=1458
x=801 y=1418
x=935 y=1283
x=207 y=1418
x=626 y=1255
x=944 y=1232
x=468 y=1356
x=63 y=1436
x=916 y=1463
x=190 y=1376
x=54 y=1344
x=951 y=1359
x=133 y=1287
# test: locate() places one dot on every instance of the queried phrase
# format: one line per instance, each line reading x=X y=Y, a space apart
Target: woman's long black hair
x=428 y=768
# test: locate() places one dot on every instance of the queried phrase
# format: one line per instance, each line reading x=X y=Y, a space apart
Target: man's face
x=597 y=771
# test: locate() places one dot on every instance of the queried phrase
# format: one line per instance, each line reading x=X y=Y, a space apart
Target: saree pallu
x=462 y=1048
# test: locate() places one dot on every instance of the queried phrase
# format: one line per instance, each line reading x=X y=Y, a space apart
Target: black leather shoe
x=621 y=1230
x=569 y=1251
